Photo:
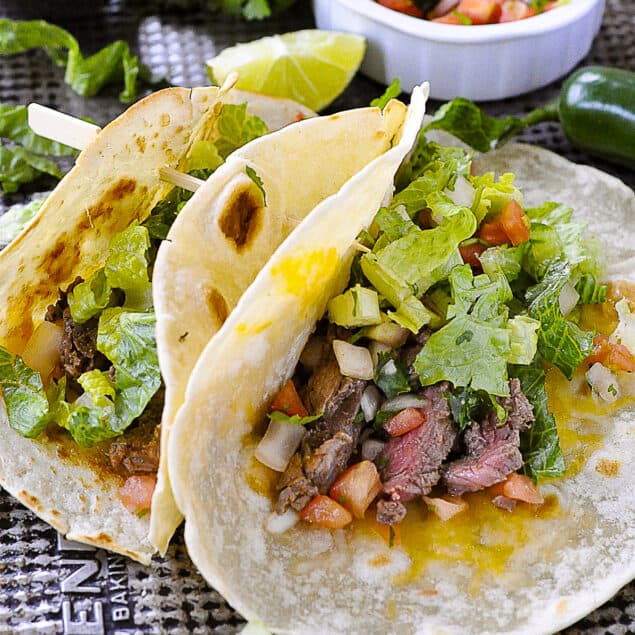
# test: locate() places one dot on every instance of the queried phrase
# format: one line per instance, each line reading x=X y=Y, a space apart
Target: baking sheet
x=48 y=585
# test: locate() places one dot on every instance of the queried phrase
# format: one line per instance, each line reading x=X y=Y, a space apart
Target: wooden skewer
x=79 y=134
x=60 y=127
x=181 y=179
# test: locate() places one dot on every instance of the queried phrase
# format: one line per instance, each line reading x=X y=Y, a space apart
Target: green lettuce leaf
x=24 y=396
x=560 y=341
x=422 y=258
x=126 y=338
x=17 y=217
x=283 y=417
x=86 y=76
x=469 y=405
x=492 y=195
x=591 y=291
x=234 y=128
x=19 y=166
x=126 y=268
x=468 y=353
x=540 y=445
x=467 y=122
x=392 y=92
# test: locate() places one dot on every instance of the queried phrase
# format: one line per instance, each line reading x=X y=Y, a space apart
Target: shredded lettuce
x=560 y=341
x=591 y=291
x=86 y=75
x=17 y=217
x=283 y=417
x=24 y=396
x=234 y=128
x=392 y=92
x=540 y=445
x=126 y=268
x=492 y=195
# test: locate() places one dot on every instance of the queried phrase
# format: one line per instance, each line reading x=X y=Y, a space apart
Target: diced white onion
x=463 y=193
x=400 y=402
x=568 y=298
x=279 y=523
x=354 y=361
x=375 y=348
x=443 y=7
x=42 y=351
x=603 y=382
x=371 y=449
x=445 y=509
x=279 y=444
x=371 y=398
x=624 y=332
x=388 y=333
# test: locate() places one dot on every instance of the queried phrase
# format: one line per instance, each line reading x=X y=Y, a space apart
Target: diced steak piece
x=413 y=460
x=390 y=512
x=330 y=441
x=493 y=454
x=324 y=464
x=135 y=454
x=296 y=490
x=508 y=504
x=520 y=413
x=335 y=396
x=79 y=352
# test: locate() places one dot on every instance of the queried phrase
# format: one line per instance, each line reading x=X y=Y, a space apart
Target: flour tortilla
x=228 y=231
x=115 y=181
x=312 y=580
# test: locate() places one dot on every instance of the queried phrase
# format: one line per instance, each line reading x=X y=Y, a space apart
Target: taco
x=79 y=367
x=428 y=490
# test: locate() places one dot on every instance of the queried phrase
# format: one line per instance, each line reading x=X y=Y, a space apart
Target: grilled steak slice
x=296 y=490
x=413 y=460
x=323 y=465
x=493 y=454
x=79 y=352
x=520 y=413
x=390 y=512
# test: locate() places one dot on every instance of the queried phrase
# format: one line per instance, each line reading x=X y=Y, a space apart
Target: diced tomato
x=288 y=401
x=299 y=116
x=612 y=355
x=515 y=223
x=510 y=226
x=551 y=5
x=357 y=487
x=492 y=232
x=403 y=6
x=522 y=488
x=136 y=493
x=480 y=11
x=471 y=252
x=512 y=10
x=404 y=421
x=325 y=512
x=449 y=18
x=445 y=509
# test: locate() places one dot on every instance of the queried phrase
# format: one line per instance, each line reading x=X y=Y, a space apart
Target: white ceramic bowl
x=490 y=61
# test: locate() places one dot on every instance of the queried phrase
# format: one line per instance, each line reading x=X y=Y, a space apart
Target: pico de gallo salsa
x=472 y=12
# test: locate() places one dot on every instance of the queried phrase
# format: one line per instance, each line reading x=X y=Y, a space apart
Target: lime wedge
x=311 y=66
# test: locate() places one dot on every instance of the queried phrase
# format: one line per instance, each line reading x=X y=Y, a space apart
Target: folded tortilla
x=313 y=580
x=228 y=231
x=114 y=182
